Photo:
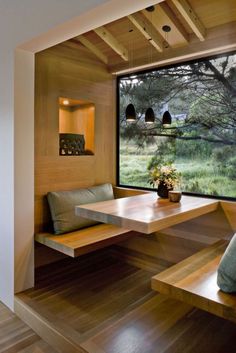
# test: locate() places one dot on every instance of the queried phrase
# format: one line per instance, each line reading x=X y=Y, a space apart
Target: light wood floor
x=107 y=306
x=17 y=337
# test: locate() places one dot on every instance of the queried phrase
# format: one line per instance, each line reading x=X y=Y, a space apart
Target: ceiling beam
x=174 y=20
x=148 y=30
x=191 y=18
x=89 y=45
x=220 y=39
x=103 y=33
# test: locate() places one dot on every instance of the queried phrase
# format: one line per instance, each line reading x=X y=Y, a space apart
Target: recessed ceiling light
x=65 y=102
x=150 y=8
x=166 y=28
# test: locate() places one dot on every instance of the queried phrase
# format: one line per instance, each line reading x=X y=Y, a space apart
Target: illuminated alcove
x=76 y=127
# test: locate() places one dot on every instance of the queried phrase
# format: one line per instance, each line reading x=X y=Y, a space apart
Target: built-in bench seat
x=84 y=240
x=193 y=281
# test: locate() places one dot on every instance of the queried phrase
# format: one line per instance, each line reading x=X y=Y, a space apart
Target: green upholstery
x=226 y=277
x=62 y=206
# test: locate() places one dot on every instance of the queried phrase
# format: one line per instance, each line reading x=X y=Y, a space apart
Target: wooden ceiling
x=198 y=28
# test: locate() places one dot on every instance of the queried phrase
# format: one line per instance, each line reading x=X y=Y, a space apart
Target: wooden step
x=73 y=301
x=84 y=240
x=55 y=332
x=16 y=336
x=158 y=312
x=102 y=305
x=193 y=281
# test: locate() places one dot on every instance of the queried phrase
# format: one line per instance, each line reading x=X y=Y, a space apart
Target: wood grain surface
x=104 y=305
x=16 y=336
x=84 y=240
x=147 y=213
x=175 y=243
x=194 y=281
x=65 y=72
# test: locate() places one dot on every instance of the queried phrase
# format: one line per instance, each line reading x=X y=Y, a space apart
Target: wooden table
x=147 y=213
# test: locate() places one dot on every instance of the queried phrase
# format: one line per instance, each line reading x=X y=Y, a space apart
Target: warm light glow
x=130 y=120
x=65 y=102
x=166 y=125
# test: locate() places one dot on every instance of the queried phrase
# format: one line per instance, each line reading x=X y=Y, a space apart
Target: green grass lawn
x=200 y=176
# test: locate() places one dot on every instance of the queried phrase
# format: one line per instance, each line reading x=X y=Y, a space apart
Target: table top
x=147 y=213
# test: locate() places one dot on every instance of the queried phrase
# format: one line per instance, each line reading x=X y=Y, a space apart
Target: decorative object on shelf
x=130 y=113
x=166 y=119
x=72 y=145
x=149 y=116
x=175 y=196
x=164 y=178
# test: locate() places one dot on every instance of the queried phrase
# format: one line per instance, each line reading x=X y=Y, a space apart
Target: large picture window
x=200 y=140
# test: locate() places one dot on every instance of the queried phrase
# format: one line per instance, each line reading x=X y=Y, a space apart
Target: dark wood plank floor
x=109 y=304
x=165 y=326
x=16 y=337
x=87 y=294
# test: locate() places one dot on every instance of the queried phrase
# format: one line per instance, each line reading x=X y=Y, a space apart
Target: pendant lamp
x=166 y=119
x=149 y=116
x=130 y=113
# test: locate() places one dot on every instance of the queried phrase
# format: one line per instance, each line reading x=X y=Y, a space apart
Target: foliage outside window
x=201 y=141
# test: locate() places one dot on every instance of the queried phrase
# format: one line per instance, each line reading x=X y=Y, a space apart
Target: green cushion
x=226 y=277
x=62 y=206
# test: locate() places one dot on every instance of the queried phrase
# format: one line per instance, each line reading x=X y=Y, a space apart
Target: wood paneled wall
x=64 y=72
x=76 y=74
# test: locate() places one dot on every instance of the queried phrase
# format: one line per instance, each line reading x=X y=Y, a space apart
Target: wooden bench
x=193 y=281
x=84 y=240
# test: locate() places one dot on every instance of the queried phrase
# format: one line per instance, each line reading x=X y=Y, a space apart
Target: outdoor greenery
x=201 y=141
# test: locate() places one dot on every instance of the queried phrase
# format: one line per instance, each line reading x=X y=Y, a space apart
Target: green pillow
x=226 y=276
x=62 y=206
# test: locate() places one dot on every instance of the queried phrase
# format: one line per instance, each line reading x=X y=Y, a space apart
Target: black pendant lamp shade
x=130 y=112
x=149 y=116
x=166 y=119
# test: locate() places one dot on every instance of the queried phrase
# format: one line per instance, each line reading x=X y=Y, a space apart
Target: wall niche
x=76 y=127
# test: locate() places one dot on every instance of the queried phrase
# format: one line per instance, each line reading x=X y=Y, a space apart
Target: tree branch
x=208 y=139
x=221 y=78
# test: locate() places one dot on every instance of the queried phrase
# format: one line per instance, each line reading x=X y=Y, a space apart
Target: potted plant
x=164 y=178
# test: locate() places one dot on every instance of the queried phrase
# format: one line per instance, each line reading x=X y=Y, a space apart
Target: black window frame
x=157 y=68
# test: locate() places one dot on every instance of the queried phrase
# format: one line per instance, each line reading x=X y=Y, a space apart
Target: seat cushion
x=62 y=206
x=226 y=276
